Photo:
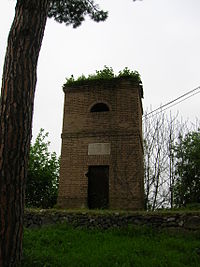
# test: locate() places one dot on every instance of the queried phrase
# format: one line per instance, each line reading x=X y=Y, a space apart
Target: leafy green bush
x=105 y=74
x=42 y=177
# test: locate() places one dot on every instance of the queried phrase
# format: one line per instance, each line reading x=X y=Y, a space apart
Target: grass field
x=63 y=246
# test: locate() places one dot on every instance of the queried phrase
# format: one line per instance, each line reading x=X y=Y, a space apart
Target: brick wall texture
x=120 y=127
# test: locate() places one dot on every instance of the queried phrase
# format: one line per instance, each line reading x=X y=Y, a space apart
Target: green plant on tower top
x=104 y=74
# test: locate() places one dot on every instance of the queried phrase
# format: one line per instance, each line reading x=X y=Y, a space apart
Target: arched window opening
x=99 y=107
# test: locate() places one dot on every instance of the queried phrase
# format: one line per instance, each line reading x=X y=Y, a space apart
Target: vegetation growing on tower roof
x=104 y=74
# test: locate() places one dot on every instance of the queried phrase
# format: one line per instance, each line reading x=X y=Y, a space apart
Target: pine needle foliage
x=74 y=11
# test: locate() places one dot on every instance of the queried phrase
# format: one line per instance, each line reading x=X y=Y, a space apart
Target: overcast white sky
x=158 y=38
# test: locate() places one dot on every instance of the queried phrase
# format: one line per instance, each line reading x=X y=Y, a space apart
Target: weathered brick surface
x=121 y=126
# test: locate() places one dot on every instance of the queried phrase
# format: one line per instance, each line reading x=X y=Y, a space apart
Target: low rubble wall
x=187 y=221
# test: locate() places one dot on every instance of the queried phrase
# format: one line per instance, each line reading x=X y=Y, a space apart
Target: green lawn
x=64 y=246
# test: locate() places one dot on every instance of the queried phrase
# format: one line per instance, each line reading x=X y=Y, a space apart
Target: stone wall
x=187 y=221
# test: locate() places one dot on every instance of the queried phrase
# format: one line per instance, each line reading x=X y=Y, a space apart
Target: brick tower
x=102 y=151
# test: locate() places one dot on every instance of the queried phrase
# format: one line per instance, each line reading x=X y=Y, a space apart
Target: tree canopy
x=74 y=11
x=187 y=186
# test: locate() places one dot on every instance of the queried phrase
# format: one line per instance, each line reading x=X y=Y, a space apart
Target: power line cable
x=174 y=104
x=169 y=103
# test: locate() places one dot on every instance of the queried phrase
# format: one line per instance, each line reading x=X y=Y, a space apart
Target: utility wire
x=162 y=110
x=171 y=102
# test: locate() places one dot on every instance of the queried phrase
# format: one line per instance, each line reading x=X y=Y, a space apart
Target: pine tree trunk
x=16 y=109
